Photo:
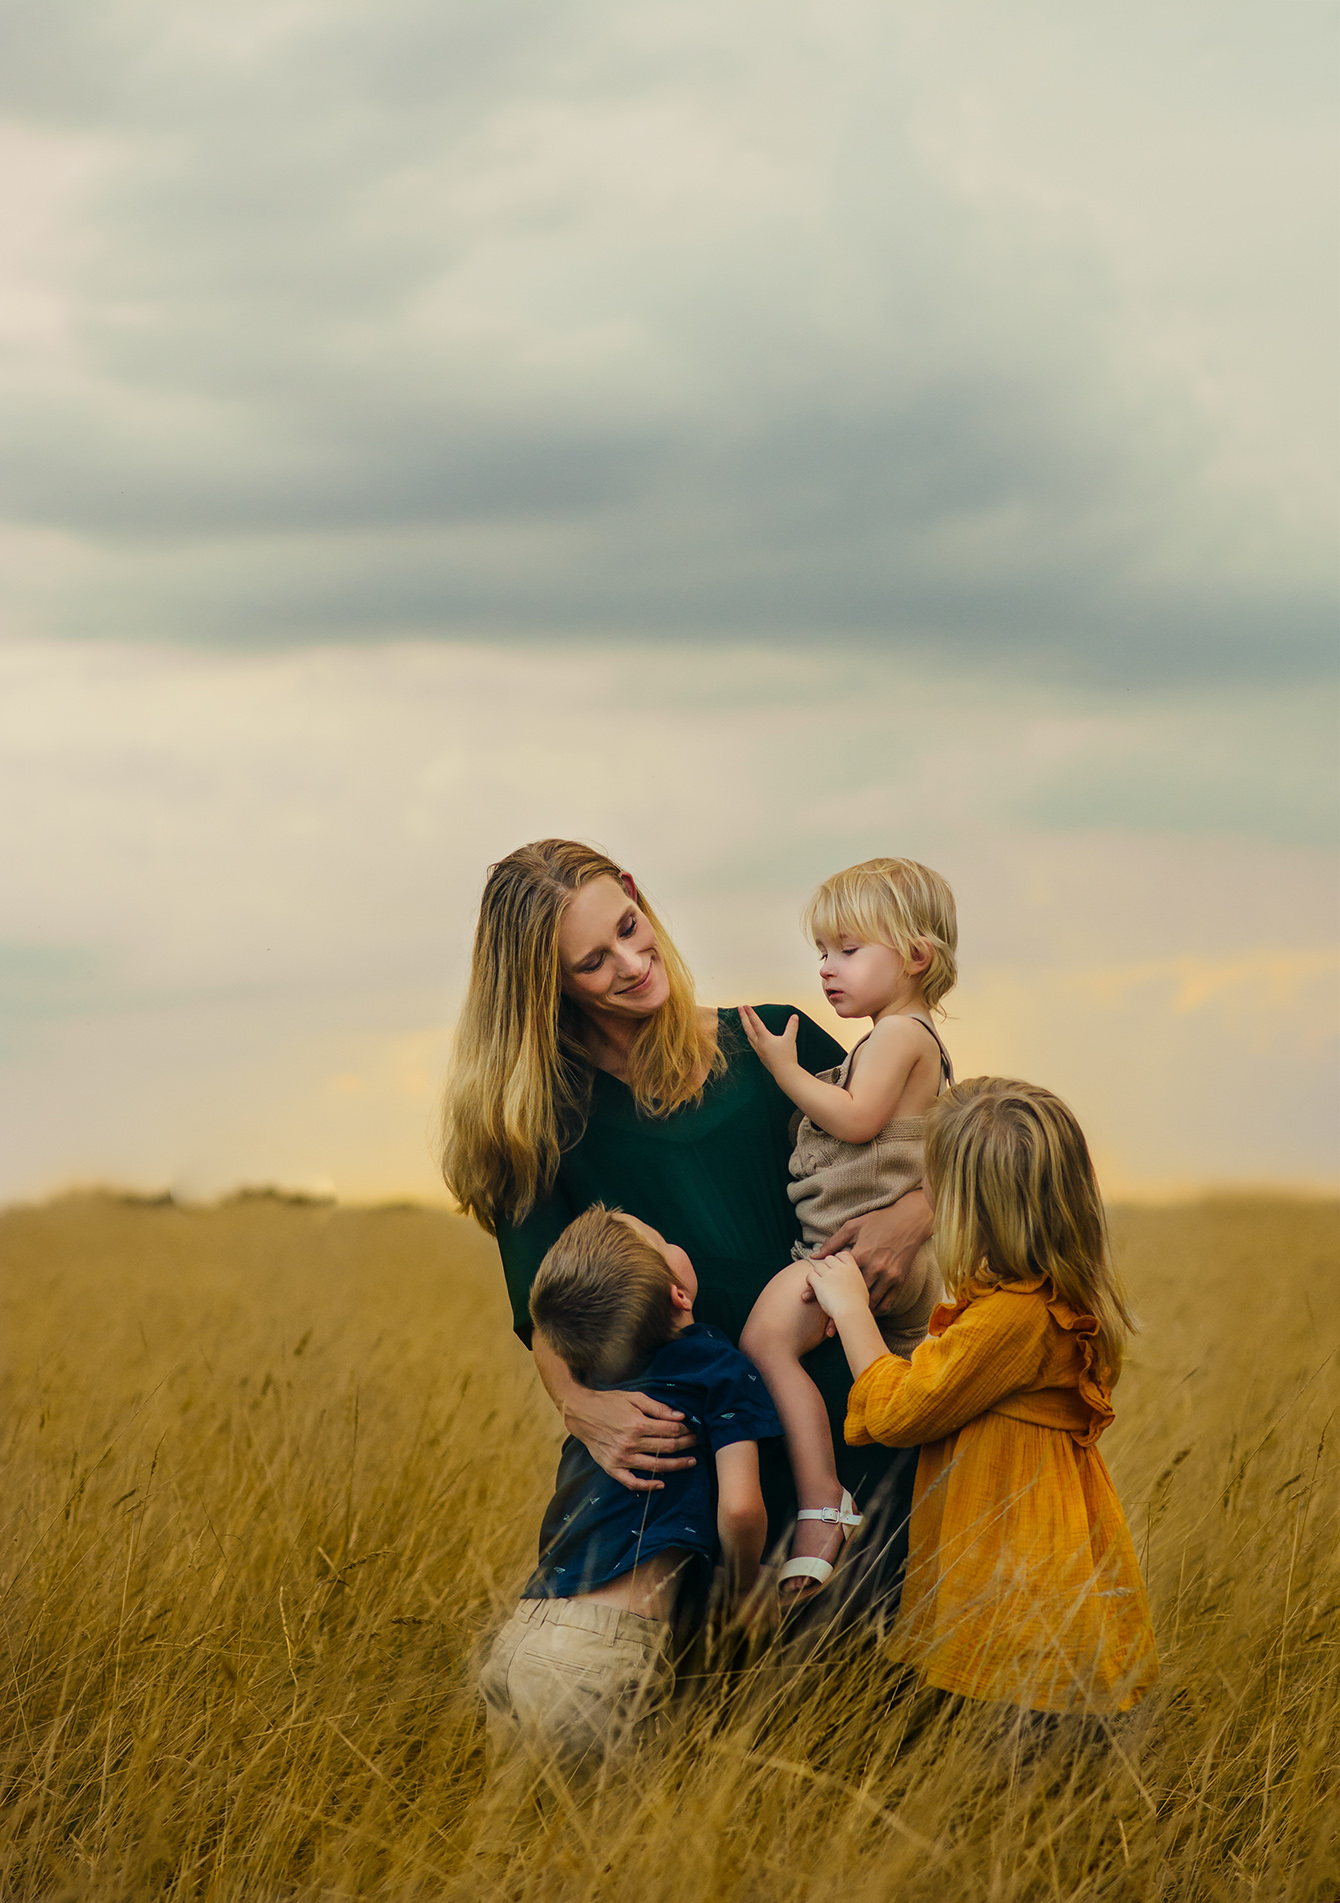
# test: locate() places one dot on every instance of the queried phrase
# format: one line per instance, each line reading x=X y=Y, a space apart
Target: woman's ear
x=629 y=884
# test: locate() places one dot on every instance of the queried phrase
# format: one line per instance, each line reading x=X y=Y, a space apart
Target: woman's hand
x=884 y=1244
x=623 y=1432
x=778 y=1054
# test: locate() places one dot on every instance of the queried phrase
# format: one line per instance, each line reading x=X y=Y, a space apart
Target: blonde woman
x=584 y=1071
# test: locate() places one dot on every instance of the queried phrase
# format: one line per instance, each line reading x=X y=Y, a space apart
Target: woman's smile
x=608 y=952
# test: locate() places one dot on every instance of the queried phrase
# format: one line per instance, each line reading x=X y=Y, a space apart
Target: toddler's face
x=859 y=979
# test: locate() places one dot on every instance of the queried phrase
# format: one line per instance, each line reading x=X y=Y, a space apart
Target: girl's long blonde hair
x=519 y=1088
x=1016 y=1197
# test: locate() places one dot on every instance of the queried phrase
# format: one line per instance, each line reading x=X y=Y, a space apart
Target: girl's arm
x=742 y=1518
x=839 y=1289
x=996 y=1347
x=621 y=1432
x=854 y=1115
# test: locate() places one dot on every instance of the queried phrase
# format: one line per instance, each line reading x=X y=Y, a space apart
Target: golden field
x=273 y=1472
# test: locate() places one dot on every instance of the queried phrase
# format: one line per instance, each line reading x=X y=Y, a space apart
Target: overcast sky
x=752 y=437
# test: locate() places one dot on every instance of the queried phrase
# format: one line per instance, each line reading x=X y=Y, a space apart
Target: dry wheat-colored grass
x=272 y=1473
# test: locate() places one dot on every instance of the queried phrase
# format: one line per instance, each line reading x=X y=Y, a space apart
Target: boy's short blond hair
x=892 y=902
x=601 y=1298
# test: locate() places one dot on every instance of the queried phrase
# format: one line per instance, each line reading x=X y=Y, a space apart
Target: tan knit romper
x=834 y=1181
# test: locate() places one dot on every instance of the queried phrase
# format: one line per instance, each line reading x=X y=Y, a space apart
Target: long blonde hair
x=519 y=1089
x=892 y=902
x=1016 y=1197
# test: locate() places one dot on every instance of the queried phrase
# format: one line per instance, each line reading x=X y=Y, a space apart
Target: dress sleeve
x=524 y=1245
x=997 y=1346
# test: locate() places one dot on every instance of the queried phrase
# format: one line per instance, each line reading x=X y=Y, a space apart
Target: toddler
x=584 y=1664
x=1022 y=1583
x=887 y=934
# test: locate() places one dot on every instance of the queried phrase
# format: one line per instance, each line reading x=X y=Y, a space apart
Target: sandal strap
x=831 y=1516
x=806 y=1568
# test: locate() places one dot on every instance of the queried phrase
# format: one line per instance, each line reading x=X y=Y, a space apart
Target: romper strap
x=946 y=1061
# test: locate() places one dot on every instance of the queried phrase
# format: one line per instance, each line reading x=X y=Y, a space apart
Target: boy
x=584 y=1663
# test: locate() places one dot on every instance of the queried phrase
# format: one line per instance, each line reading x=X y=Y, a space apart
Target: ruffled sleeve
x=980 y=1349
x=1093 y=1390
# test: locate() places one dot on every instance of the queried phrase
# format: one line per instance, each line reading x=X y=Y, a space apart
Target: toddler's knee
x=758 y=1337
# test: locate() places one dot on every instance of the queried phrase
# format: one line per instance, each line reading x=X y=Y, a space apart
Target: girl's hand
x=885 y=1244
x=777 y=1053
x=839 y=1287
x=627 y=1431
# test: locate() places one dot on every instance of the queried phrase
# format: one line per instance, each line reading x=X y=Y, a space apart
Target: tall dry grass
x=273 y=1472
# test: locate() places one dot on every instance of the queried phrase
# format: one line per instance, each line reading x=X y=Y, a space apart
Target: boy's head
x=609 y=1293
x=894 y=902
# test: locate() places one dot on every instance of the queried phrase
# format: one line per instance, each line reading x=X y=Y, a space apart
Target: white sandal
x=808 y=1566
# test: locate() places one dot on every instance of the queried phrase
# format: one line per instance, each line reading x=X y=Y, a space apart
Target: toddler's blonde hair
x=892 y=902
x=601 y=1297
x=1016 y=1197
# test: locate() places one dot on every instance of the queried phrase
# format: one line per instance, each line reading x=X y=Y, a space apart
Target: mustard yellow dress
x=1022 y=1582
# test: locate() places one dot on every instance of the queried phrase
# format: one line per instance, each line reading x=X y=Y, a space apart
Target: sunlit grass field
x=272 y=1475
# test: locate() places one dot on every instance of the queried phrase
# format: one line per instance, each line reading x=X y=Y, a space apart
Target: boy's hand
x=777 y=1053
x=839 y=1287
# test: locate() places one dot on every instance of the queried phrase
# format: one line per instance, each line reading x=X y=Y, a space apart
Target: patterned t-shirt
x=595 y=1529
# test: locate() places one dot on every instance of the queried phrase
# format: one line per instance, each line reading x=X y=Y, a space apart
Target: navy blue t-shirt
x=595 y=1529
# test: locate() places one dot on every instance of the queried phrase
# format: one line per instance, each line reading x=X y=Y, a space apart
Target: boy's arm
x=742 y=1519
x=853 y=1116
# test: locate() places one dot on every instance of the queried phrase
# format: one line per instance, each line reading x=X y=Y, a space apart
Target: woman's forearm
x=556 y=1376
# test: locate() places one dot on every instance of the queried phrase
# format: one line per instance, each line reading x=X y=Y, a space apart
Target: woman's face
x=607 y=953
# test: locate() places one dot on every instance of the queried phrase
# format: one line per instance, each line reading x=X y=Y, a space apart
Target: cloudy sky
x=752 y=438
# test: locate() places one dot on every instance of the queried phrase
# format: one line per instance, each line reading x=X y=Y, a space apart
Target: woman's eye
x=628 y=927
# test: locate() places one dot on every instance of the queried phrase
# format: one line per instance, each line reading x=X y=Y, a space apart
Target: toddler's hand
x=777 y=1053
x=839 y=1287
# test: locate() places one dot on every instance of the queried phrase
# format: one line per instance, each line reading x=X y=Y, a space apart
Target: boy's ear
x=680 y=1297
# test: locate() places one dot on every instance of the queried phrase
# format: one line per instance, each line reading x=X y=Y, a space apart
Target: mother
x=584 y=1071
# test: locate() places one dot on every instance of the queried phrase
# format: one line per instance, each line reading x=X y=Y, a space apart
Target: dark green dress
x=711 y=1177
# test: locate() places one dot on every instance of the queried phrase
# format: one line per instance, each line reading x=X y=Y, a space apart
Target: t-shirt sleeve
x=738 y=1405
x=815 y=1049
x=523 y=1246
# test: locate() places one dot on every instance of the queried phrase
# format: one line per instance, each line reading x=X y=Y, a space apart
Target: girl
x=887 y=934
x=1022 y=1582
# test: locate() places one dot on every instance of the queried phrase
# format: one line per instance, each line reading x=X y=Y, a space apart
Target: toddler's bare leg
x=780 y=1330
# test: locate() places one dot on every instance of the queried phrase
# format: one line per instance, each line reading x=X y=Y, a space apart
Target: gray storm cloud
x=418 y=319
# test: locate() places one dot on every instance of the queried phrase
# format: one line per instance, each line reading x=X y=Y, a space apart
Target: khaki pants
x=575 y=1678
